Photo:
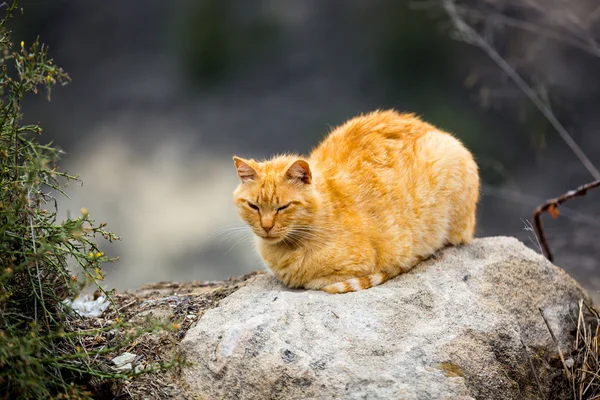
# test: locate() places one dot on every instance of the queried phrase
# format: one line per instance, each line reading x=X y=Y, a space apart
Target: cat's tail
x=356 y=284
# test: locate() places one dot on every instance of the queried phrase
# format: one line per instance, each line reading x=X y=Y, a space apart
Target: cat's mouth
x=271 y=239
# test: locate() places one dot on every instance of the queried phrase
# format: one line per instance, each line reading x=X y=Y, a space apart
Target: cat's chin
x=271 y=239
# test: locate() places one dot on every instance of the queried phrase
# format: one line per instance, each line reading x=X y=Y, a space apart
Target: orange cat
x=382 y=192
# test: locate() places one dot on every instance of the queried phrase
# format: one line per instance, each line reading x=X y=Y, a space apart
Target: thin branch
x=562 y=358
x=529 y=228
x=471 y=36
x=551 y=206
x=37 y=266
x=589 y=46
x=537 y=381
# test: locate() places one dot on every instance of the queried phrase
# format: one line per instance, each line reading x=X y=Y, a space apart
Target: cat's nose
x=267 y=222
x=267 y=228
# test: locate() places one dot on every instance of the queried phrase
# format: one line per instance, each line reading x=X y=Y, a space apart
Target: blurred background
x=164 y=93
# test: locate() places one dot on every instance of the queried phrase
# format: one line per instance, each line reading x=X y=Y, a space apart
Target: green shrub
x=43 y=261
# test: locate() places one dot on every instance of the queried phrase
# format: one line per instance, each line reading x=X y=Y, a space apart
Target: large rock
x=449 y=329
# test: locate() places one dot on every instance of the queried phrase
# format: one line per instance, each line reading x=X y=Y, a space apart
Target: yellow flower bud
x=84 y=211
x=99 y=254
x=22 y=43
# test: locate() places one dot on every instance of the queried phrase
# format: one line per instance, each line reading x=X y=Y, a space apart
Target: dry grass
x=178 y=305
x=583 y=367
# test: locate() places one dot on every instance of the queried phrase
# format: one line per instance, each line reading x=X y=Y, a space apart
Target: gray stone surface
x=449 y=329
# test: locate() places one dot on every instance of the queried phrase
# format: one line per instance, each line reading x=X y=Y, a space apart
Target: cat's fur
x=380 y=193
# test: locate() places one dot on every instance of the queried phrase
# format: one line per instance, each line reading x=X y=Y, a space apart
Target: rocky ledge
x=472 y=322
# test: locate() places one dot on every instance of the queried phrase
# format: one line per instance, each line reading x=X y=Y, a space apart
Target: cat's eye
x=253 y=206
x=284 y=207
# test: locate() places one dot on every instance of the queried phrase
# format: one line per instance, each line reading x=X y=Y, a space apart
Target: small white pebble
x=126 y=367
x=87 y=306
x=139 y=368
x=569 y=362
x=123 y=359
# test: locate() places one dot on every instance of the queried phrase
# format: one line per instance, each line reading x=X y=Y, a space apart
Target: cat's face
x=275 y=198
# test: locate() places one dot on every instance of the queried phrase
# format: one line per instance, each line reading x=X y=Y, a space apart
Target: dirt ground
x=173 y=304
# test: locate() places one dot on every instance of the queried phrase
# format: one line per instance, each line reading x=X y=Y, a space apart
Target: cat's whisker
x=308 y=234
x=306 y=228
x=234 y=235
x=229 y=231
x=313 y=243
x=288 y=240
x=243 y=239
x=305 y=237
x=293 y=240
x=310 y=229
x=229 y=235
x=226 y=230
x=297 y=238
x=228 y=227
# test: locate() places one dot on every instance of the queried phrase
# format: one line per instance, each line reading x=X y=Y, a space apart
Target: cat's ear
x=300 y=171
x=244 y=170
